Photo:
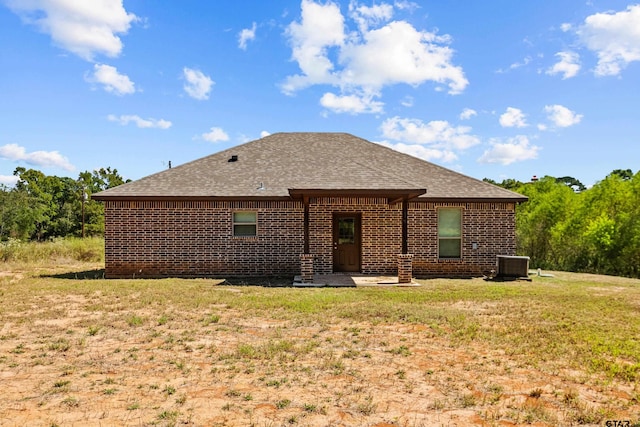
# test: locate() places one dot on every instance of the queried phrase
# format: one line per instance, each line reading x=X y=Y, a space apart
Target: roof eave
x=474 y=199
x=395 y=195
x=104 y=198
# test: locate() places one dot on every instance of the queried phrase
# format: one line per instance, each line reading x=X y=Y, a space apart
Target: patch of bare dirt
x=75 y=365
x=11 y=277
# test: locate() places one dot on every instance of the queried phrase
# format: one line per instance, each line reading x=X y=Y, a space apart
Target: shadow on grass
x=267 y=282
x=79 y=275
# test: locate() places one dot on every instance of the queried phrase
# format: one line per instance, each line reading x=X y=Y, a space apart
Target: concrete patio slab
x=352 y=280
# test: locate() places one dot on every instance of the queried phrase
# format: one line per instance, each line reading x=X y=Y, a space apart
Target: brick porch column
x=306 y=268
x=405 y=270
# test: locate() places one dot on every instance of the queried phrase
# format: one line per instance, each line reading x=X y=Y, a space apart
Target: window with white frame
x=450 y=233
x=245 y=224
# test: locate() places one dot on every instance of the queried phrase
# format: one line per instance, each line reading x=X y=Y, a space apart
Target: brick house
x=305 y=203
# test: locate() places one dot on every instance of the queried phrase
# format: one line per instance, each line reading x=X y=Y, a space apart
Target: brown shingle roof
x=306 y=161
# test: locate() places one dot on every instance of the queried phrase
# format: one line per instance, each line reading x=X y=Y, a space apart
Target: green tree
x=549 y=204
x=41 y=190
x=623 y=173
x=91 y=183
x=42 y=206
x=630 y=253
x=611 y=211
x=573 y=183
x=593 y=230
x=17 y=214
x=509 y=184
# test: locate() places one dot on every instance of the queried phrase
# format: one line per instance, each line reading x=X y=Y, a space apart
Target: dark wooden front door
x=346 y=242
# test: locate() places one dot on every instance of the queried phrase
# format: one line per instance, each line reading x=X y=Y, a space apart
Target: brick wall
x=381 y=232
x=163 y=238
x=191 y=239
x=491 y=226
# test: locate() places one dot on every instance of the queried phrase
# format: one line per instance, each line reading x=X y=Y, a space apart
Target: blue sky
x=493 y=89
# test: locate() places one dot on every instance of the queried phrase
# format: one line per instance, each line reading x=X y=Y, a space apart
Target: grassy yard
x=76 y=349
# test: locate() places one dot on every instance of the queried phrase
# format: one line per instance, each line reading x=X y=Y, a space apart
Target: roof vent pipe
x=234 y=158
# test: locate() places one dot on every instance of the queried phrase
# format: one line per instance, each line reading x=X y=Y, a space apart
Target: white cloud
x=17 y=153
x=614 y=37
x=264 y=133
x=561 y=116
x=215 y=135
x=513 y=117
x=364 y=60
x=398 y=53
x=353 y=104
x=246 y=35
x=568 y=66
x=112 y=81
x=85 y=28
x=515 y=65
x=321 y=27
x=140 y=122
x=407 y=101
x=467 y=113
x=198 y=85
x=438 y=133
x=566 y=27
x=516 y=149
x=422 y=152
x=8 y=180
x=244 y=138
x=366 y=16
x=406 y=5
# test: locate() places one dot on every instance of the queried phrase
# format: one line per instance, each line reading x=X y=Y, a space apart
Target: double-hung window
x=450 y=233
x=245 y=224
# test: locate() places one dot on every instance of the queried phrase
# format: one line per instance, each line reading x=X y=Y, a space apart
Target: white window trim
x=234 y=223
x=450 y=238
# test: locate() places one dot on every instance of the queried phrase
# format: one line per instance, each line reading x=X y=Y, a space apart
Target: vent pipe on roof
x=234 y=158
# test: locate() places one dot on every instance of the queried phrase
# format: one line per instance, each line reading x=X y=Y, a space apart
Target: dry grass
x=90 y=249
x=76 y=349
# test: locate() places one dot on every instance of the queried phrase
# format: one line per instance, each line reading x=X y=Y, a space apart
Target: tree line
x=566 y=226
x=41 y=207
x=563 y=225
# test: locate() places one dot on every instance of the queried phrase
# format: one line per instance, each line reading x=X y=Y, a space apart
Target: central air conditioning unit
x=513 y=267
